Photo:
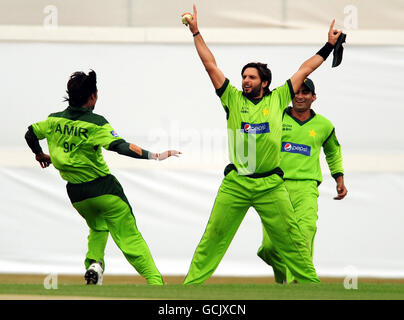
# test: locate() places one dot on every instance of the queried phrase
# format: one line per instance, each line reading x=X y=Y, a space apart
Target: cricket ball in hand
x=184 y=16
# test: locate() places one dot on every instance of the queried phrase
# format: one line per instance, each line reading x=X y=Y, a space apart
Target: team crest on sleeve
x=114 y=134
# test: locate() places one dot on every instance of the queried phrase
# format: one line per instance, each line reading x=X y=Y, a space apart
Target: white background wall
x=160 y=97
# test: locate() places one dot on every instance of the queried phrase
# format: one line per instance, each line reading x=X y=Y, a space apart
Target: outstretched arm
x=315 y=61
x=216 y=75
x=134 y=151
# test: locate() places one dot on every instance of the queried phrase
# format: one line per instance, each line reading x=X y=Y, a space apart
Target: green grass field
x=323 y=291
x=129 y=295
x=31 y=287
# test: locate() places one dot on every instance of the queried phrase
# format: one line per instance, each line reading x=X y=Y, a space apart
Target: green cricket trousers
x=104 y=206
x=304 y=196
x=270 y=199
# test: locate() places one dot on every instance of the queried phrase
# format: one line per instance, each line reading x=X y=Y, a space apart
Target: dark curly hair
x=263 y=71
x=80 y=87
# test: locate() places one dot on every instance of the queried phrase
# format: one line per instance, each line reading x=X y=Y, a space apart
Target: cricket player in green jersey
x=254 y=122
x=75 y=139
x=304 y=133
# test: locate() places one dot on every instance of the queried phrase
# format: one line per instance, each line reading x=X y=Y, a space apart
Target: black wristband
x=338 y=174
x=195 y=34
x=325 y=51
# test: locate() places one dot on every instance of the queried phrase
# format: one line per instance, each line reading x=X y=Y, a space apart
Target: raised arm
x=216 y=75
x=315 y=61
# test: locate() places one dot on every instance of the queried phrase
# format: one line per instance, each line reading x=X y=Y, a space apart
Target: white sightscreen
x=159 y=97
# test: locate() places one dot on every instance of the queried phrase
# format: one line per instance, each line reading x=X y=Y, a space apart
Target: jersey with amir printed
x=75 y=137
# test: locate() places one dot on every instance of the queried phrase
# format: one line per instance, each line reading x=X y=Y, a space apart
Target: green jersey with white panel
x=75 y=138
x=255 y=127
x=301 y=146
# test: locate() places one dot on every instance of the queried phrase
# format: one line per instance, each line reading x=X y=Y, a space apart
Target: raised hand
x=333 y=34
x=193 y=23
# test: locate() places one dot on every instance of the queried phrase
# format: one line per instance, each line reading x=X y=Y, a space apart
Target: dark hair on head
x=263 y=71
x=80 y=87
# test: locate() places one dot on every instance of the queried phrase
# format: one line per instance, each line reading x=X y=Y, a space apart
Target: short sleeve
x=227 y=93
x=105 y=135
x=41 y=129
x=285 y=94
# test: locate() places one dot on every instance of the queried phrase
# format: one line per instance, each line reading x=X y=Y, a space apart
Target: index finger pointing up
x=332 y=25
x=195 y=10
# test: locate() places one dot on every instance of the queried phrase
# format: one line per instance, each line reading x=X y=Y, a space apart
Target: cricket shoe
x=94 y=274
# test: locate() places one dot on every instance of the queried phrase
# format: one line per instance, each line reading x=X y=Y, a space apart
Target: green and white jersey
x=254 y=127
x=75 y=137
x=301 y=146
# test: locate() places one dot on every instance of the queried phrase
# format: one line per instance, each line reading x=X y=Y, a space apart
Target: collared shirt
x=75 y=137
x=301 y=147
x=254 y=127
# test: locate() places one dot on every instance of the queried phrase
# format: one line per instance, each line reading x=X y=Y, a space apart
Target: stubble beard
x=254 y=93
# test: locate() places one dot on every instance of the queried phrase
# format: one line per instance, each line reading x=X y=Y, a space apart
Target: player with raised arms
x=254 y=119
